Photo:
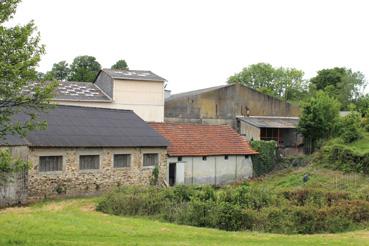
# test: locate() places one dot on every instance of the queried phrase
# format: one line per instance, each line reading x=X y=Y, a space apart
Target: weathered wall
x=227 y=103
x=215 y=169
x=14 y=191
x=250 y=132
x=74 y=182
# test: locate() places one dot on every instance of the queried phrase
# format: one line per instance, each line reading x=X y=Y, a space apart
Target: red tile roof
x=202 y=140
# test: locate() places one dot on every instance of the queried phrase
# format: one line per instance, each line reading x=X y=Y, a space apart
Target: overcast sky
x=198 y=44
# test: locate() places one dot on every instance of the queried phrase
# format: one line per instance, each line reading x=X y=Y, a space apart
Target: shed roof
x=133 y=75
x=271 y=121
x=202 y=140
x=73 y=126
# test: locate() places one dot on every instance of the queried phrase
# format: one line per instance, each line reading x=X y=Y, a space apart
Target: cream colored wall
x=250 y=132
x=145 y=98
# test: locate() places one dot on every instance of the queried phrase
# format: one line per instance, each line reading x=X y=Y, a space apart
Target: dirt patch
x=88 y=208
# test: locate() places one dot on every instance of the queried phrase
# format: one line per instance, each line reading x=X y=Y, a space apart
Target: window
x=226 y=157
x=180 y=158
x=89 y=162
x=150 y=160
x=204 y=158
x=122 y=160
x=51 y=163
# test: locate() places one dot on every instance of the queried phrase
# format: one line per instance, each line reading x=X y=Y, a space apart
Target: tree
x=84 y=69
x=121 y=64
x=285 y=83
x=60 y=70
x=20 y=52
x=318 y=119
x=340 y=83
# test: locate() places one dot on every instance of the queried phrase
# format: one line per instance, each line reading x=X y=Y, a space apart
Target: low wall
x=14 y=191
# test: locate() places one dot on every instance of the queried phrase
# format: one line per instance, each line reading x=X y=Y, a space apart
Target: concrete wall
x=227 y=103
x=14 y=191
x=74 y=182
x=215 y=170
x=250 y=132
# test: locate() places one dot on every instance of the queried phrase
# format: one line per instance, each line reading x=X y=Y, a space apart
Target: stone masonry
x=72 y=182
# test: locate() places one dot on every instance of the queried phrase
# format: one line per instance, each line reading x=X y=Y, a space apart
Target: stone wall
x=74 y=182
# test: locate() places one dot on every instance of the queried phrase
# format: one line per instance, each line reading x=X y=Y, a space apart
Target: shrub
x=266 y=160
x=350 y=127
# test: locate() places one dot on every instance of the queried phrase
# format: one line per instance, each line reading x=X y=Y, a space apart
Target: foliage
x=8 y=165
x=60 y=71
x=243 y=208
x=362 y=105
x=340 y=83
x=318 y=118
x=349 y=127
x=121 y=64
x=84 y=69
x=154 y=180
x=20 y=52
x=285 y=83
x=266 y=160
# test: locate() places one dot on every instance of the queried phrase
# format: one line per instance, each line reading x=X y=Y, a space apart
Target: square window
x=226 y=157
x=150 y=160
x=50 y=163
x=180 y=158
x=122 y=160
x=87 y=162
x=204 y=158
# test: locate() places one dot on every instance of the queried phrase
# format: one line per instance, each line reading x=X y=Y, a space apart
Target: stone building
x=222 y=104
x=137 y=90
x=205 y=154
x=88 y=150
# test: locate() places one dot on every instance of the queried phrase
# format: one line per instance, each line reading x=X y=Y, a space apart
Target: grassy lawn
x=75 y=222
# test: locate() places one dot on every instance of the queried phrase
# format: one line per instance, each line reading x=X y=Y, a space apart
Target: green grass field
x=75 y=222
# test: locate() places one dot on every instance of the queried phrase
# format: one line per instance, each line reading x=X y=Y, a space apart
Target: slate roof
x=133 y=75
x=73 y=126
x=202 y=140
x=271 y=121
x=75 y=91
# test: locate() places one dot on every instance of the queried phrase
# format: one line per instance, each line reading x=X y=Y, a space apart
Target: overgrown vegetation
x=266 y=160
x=243 y=207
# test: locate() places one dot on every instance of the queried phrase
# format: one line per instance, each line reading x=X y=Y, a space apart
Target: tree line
x=83 y=69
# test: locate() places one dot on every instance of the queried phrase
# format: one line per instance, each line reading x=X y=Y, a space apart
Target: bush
x=235 y=208
x=266 y=160
x=350 y=127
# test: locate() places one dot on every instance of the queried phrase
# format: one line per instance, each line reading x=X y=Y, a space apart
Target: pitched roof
x=271 y=121
x=73 y=126
x=133 y=75
x=202 y=140
x=74 y=91
x=194 y=93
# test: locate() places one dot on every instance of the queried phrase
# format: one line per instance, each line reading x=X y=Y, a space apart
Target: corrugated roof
x=133 y=75
x=202 y=140
x=73 y=126
x=271 y=121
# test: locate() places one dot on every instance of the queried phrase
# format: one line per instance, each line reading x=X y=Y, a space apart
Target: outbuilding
x=205 y=154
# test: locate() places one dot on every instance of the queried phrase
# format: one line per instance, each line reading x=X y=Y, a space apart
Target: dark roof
x=271 y=121
x=133 y=75
x=202 y=140
x=75 y=91
x=73 y=126
x=194 y=93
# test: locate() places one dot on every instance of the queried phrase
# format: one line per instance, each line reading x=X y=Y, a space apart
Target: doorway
x=172 y=174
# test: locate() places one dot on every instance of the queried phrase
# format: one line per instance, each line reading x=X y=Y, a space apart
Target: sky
x=196 y=44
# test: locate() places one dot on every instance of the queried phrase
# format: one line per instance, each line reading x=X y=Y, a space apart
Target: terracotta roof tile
x=202 y=140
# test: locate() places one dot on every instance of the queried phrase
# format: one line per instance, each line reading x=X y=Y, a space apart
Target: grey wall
x=215 y=170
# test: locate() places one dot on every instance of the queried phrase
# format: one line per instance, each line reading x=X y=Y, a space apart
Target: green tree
x=84 y=69
x=340 y=83
x=121 y=64
x=284 y=83
x=318 y=119
x=362 y=105
x=349 y=127
x=20 y=52
x=60 y=70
